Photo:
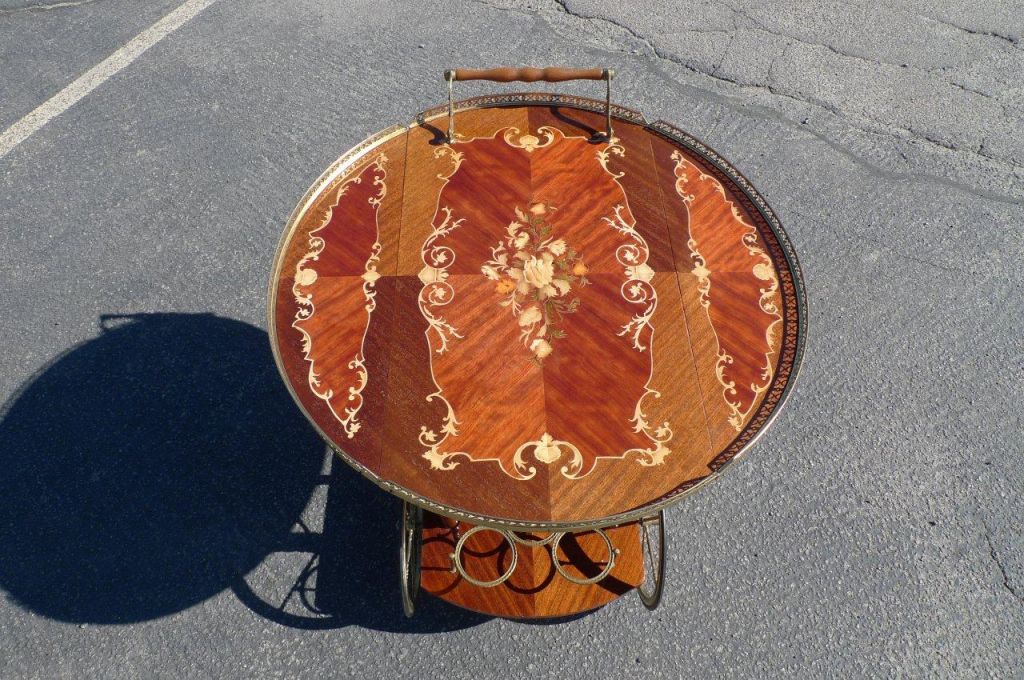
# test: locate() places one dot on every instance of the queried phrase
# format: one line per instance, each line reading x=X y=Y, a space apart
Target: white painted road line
x=98 y=74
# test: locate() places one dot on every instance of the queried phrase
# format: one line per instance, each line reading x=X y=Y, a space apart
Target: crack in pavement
x=1015 y=42
x=773 y=88
x=888 y=130
x=756 y=25
x=1002 y=568
x=941 y=70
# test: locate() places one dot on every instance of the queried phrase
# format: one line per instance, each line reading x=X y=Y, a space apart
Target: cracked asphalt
x=165 y=512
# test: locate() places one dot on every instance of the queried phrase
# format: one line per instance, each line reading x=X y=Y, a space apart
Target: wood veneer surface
x=531 y=325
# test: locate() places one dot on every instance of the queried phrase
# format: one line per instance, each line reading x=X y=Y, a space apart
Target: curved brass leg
x=654 y=559
x=409 y=555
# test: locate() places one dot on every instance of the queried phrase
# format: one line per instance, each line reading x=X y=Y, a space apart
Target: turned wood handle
x=508 y=74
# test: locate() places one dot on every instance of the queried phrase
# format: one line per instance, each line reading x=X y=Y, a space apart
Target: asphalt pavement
x=166 y=512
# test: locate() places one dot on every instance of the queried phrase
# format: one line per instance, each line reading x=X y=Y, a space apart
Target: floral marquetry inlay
x=536 y=269
x=536 y=274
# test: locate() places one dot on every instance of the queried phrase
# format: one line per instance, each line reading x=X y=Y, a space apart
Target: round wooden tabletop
x=534 y=326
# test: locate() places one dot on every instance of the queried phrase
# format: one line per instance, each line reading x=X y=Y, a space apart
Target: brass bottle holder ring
x=457 y=557
x=613 y=552
x=553 y=540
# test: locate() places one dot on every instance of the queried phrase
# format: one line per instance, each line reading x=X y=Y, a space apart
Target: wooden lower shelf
x=535 y=589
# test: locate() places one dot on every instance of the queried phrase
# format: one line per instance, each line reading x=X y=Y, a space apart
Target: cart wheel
x=652 y=542
x=409 y=555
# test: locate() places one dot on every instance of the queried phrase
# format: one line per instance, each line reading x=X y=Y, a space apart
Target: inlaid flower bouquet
x=535 y=274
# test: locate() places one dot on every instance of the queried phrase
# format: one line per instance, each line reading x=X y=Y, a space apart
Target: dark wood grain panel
x=326 y=381
x=676 y=215
x=633 y=166
x=737 y=285
x=389 y=214
x=595 y=377
x=428 y=163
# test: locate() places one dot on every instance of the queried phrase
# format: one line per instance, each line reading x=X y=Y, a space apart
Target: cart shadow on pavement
x=348 y=573
x=163 y=462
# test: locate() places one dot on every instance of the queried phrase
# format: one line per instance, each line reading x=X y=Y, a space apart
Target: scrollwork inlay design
x=763 y=270
x=539 y=335
x=303 y=290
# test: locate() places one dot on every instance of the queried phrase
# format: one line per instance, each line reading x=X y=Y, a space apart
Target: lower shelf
x=535 y=588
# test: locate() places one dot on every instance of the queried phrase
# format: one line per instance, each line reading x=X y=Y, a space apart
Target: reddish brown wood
x=405 y=341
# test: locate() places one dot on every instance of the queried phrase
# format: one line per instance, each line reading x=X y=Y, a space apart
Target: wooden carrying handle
x=509 y=74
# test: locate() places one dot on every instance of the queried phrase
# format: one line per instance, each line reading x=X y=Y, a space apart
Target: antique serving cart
x=539 y=320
